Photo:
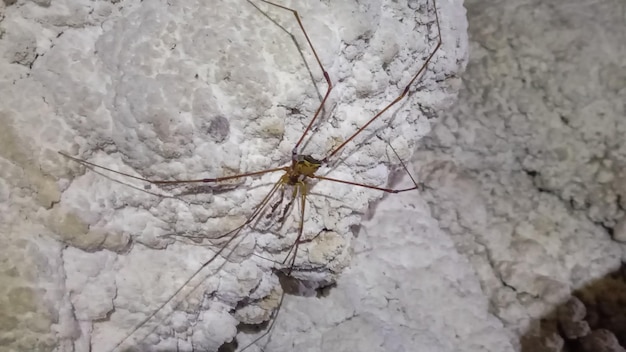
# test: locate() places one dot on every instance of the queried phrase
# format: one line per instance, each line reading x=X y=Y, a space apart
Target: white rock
x=619 y=230
x=407 y=287
x=183 y=90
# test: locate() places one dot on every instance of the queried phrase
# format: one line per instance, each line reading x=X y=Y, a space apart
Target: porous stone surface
x=601 y=341
x=571 y=319
x=184 y=90
x=526 y=173
x=407 y=289
x=594 y=319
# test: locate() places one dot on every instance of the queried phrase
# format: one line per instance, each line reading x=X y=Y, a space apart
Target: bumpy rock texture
x=184 y=90
x=523 y=203
x=526 y=176
x=407 y=289
x=527 y=173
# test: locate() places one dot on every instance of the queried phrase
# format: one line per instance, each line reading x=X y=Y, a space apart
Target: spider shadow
x=291 y=287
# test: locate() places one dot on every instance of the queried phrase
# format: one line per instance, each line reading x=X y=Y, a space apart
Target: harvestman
x=296 y=175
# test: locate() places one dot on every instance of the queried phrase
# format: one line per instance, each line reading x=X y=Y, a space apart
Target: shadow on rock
x=592 y=320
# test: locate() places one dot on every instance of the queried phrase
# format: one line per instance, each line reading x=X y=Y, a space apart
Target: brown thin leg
x=386 y=190
x=269 y=329
x=234 y=235
x=319 y=62
x=396 y=100
x=161 y=182
x=302 y=190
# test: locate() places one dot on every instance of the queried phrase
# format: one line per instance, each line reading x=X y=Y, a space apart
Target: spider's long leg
x=269 y=329
x=302 y=190
x=234 y=235
x=319 y=62
x=299 y=191
x=303 y=193
x=161 y=182
x=386 y=190
x=400 y=97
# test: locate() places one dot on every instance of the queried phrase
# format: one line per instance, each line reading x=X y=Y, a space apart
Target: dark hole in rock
x=219 y=129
